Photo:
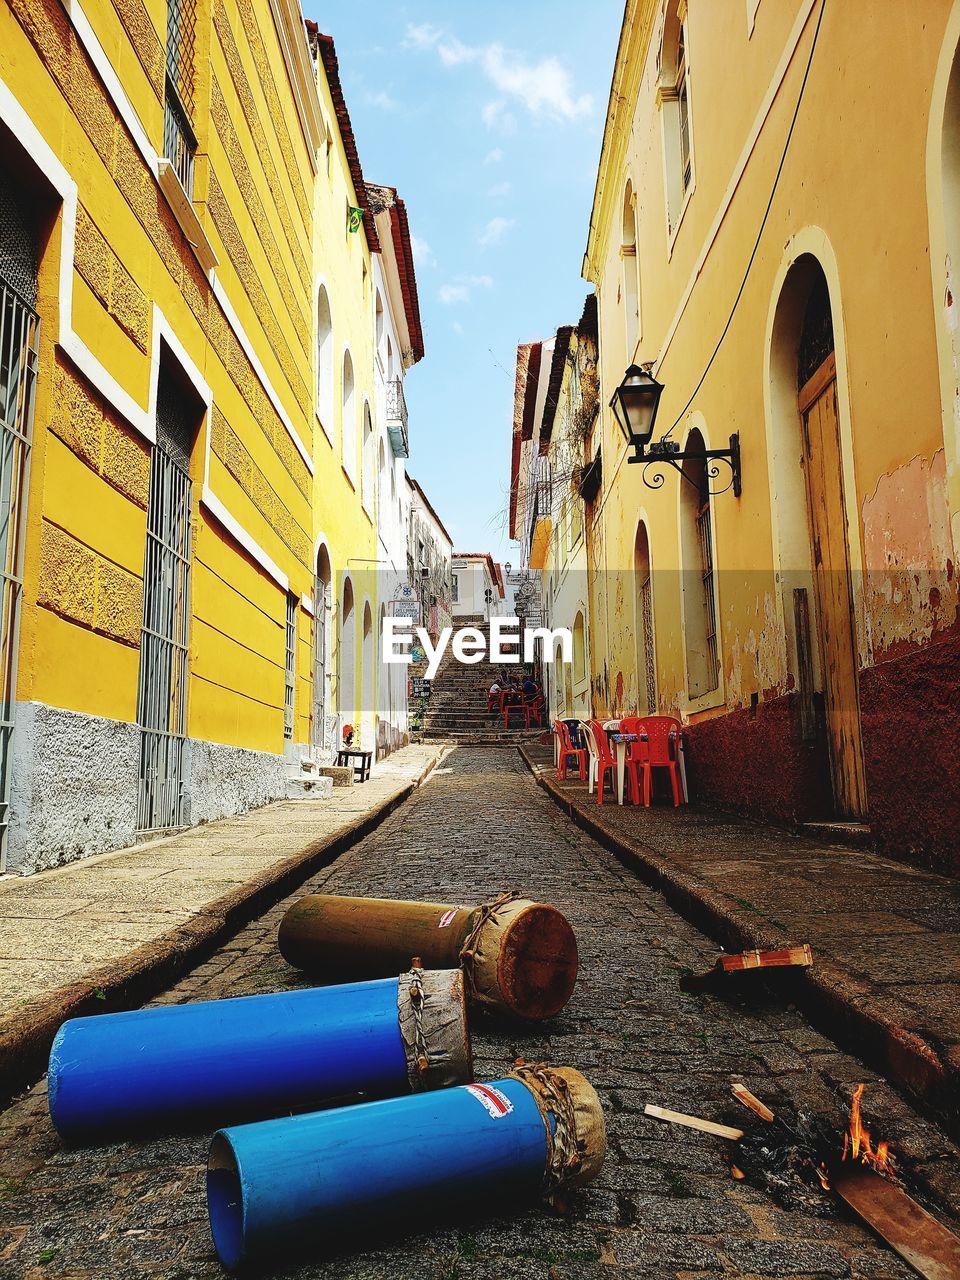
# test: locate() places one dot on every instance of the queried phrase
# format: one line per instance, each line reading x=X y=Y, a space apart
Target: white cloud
x=494 y=231
x=496 y=116
x=422 y=253
x=421 y=35
x=499 y=190
x=544 y=87
x=380 y=98
x=461 y=288
x=494 y=156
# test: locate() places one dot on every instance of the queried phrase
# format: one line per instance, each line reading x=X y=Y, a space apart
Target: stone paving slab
x=664 y=1207
x=102 y=932
x=885 y=935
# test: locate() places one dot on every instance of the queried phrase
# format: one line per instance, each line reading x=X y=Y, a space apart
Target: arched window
x=630 y=285
x=673 y=96
x=347 y=657
x=324 y=360
x=646 y=645
x=579 y=650
x=378 y=328
x=390 y=373
x=697 y=575
x=367 y=478
x=348 y=421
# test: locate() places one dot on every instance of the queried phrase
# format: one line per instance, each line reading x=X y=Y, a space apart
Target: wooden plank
x=914 y=1234
x=693 y=1122
x=743 y=1094
x=785 y=957
x=745 y=961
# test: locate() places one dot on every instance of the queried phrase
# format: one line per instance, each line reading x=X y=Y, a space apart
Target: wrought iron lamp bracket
x=660 y=453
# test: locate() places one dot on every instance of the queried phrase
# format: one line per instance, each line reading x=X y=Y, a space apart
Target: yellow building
x=772 y=233
x=181 y=438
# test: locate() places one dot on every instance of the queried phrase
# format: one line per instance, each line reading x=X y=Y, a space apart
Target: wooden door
x=834 y=596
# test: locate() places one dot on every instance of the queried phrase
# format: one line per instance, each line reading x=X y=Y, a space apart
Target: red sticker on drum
x=448 y=917
x=496 y=1104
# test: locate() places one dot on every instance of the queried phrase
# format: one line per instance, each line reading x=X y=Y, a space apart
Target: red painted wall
x=757 y=764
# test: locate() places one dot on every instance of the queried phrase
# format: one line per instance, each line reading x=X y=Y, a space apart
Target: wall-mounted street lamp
x=635 y=403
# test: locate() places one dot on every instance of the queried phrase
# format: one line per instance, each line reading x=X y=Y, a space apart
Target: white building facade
x=398 y=343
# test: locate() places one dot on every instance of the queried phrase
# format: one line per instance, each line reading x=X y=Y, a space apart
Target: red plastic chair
x=513 y=702
x=493 y=701
x=662 y=752
x=569 y=752
x=605 y=759
x=537 y=707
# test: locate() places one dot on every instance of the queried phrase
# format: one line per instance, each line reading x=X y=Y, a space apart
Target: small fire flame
x=858 y=1142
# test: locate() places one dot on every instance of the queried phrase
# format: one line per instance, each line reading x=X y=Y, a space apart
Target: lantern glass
x=635 y=403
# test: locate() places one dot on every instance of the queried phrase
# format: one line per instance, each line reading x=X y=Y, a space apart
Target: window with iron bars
x=179 y=140
x=705 y=541
x=290 y=668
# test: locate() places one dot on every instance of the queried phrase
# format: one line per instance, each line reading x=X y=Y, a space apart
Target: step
x=857 y=835
x=308 y=787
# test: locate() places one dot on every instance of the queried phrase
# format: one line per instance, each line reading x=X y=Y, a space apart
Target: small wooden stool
x=361 y=771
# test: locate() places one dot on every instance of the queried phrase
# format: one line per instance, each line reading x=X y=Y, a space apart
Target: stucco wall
x=75 y=780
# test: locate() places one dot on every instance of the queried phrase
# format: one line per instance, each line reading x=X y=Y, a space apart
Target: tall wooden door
x=834 y=595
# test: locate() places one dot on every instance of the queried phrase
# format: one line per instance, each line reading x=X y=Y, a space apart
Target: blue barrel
x=314 y=1182
x=174 y=1067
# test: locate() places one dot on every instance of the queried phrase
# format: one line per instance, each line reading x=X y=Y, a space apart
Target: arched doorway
x=347 y=655
x=322 y=609
x=368 y=706
x=643 y=627
x=827 y=519
x=812 y=525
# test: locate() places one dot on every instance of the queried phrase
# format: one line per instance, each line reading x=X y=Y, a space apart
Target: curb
x=833 y=999
x=129 y=981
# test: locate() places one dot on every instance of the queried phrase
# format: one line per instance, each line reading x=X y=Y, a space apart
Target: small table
x=361 y=771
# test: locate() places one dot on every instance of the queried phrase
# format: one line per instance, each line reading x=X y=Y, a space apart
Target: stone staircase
x=457 y=708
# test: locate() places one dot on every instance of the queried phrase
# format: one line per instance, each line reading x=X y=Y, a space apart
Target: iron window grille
x=19 y=346
x=683 y=116
x=290 y=668
x=179 y=140
x=646 y=623
x=164 y=643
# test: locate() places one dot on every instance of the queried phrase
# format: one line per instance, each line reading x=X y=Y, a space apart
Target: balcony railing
x=397 y=418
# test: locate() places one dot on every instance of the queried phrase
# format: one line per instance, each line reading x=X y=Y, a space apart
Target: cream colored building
x=776 y=216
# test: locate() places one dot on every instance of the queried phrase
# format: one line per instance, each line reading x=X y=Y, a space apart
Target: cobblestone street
x=665 y=1204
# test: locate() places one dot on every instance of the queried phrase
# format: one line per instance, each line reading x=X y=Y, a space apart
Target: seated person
x=530 y=687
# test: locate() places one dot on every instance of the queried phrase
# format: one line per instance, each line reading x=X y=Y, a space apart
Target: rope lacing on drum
x=565 y=1150
x=468 y=952
x=416 y=1003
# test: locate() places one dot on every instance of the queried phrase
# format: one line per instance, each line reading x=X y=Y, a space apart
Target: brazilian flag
x=354 y=219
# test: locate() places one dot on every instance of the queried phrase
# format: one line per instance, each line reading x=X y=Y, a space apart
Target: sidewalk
x=109 y=931
x=885 y=935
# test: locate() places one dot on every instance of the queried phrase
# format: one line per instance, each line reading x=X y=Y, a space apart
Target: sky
x=488 y=119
